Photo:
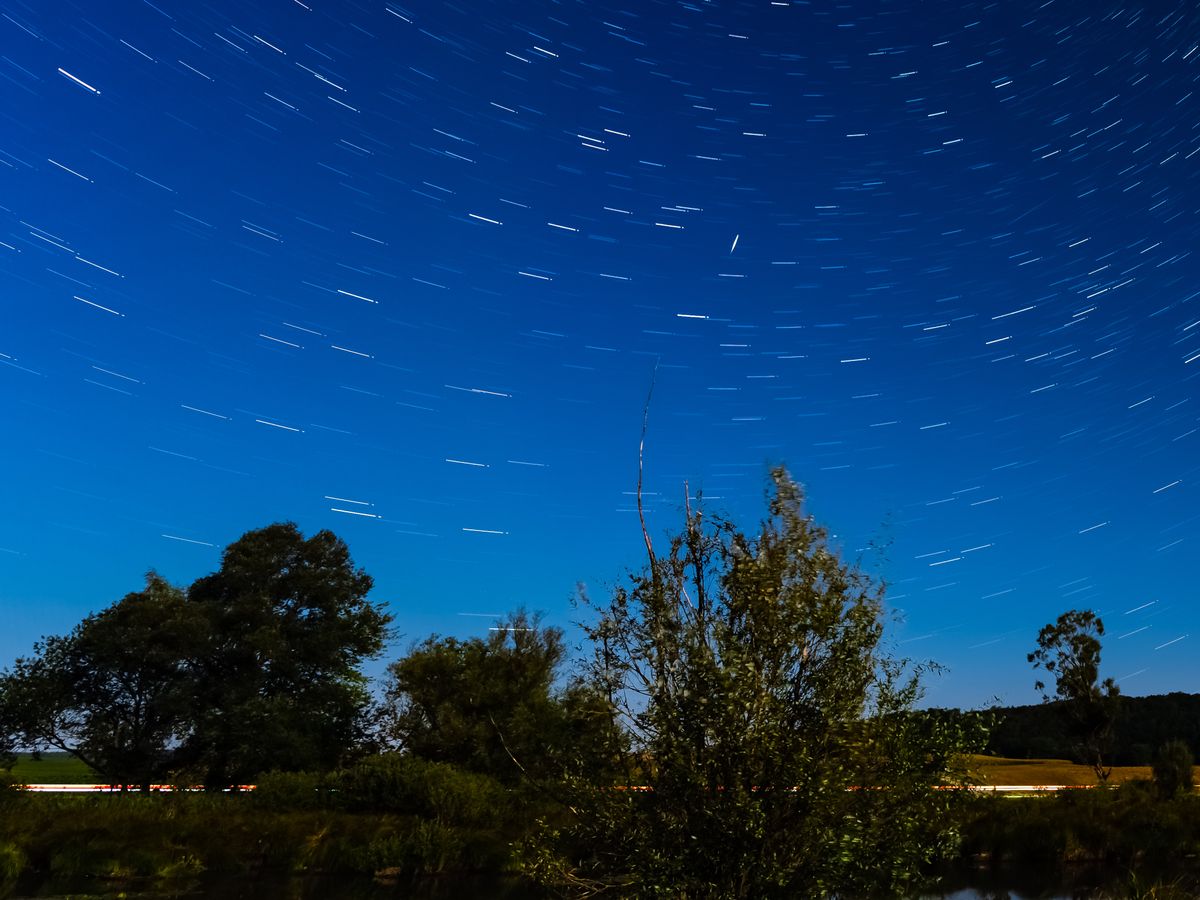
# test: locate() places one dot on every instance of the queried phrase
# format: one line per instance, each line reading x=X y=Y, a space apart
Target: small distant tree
x=1069 y=649
x=116 y=692
x=1172 y=769
x=775 y=743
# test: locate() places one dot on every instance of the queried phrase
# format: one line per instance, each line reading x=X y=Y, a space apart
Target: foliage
x=254 y=667
x=1173 y=769
x=278 y=681
x=1069 y=649
x=9 y=735
x=1142 y=723
x=1113 y=825
x=393 y=783
x=437 y=791
x=1137 y=888
x=490 y=704
x=56 y=840
x=775 y=735
x=115 y=692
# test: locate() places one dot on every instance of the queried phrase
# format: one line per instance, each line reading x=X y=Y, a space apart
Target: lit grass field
x=52 y=768
x=999 y=770
x=62 y=768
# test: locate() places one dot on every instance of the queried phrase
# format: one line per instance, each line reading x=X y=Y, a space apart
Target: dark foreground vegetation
x=406 y=821
x=394 y=816
x=736 y=729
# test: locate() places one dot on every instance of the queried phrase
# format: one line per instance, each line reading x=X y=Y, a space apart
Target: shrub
x=400 y=783
x=12 y=863
x=292 y=790
x=1173 y=769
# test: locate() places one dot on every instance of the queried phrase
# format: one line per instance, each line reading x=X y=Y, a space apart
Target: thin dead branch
x=641 y=466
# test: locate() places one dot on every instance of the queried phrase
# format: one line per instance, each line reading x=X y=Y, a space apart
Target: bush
x=12 y=863
x=292 y=791
x=436 y=791
x=1173 y=769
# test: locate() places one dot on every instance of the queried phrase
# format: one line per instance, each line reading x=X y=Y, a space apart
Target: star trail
x=407 y=272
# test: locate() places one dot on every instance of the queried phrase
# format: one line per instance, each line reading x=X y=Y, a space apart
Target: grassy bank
x=403 y=818
x=398 y=818
x=1123 y=825
x=64 y=838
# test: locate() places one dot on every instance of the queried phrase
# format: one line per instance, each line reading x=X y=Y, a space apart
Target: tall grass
x=1116 y=825
x=394 y=816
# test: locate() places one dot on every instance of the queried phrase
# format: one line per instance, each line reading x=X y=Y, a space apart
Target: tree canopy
x=496 y=705
x=254 y=667
x=278 y=681
x=774 y=734
x=116 y=690
x=1069 y=649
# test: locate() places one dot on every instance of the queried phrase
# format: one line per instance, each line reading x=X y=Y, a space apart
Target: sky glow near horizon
x=405 y=272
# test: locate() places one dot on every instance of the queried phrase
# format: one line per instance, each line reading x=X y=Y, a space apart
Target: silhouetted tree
x=116 y=692
x=1069 y=649
x=254 y=668
x=278 y=680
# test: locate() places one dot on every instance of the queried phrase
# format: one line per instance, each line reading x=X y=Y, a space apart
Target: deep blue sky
x=282 y=260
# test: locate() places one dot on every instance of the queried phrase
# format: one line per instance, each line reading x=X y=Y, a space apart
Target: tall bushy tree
x=116 y=692
x=255 y=667
x=1069 y=649
x=278 y=679
x=774 y=735
x=493 y=704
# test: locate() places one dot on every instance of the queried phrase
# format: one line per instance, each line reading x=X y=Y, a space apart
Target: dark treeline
x=1142 y=725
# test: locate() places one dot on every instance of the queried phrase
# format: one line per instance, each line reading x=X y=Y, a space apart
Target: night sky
x=406 y=271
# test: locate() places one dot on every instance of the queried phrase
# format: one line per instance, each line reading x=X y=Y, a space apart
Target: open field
x=61 y=768
x=1000 y=770
x=52 y=768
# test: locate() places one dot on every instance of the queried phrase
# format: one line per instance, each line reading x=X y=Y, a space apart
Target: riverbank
x=400 y=818
x=414 y=822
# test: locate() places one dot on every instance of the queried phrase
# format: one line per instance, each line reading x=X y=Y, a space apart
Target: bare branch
x=641 y=456
x=504 y=744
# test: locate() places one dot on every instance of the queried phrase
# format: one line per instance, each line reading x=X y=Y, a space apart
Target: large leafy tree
x=774 y=737
x=493 y=705
x=279 y=684
x=255 y=667
x=1069 y=650
x=116 y=692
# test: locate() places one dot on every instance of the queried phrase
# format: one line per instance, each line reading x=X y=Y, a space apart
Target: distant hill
x=1144 y=725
